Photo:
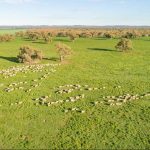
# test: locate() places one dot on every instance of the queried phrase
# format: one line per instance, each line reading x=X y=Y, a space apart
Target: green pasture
x=94 y=62
x=9 y=31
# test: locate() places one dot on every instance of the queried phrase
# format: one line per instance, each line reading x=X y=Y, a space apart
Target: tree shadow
x=38 y=42
x=52 y=59
x=146 y=40
x=62 y=40
x=103 y=49
x=29 y=40
x=100 y=39
x=12 y=59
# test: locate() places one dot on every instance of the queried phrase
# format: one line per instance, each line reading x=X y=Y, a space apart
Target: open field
x=97 y=125
x=9 y=31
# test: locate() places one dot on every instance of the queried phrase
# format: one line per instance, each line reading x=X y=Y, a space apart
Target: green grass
x=9 y=31
x=96 y=63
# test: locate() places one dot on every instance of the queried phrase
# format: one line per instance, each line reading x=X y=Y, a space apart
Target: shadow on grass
x=146 y=40
x=62 y=40
x=103 y=49
x=12 y=59
x=38 y=42
x=29 y=40
x=15 y=59
x=52 y=59
x=100 y=39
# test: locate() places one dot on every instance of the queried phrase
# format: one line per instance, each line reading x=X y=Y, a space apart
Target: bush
x=61 y=34
x=63 y=51
x=129 y=35
x=47 y=38
x=32 y=35
x=85 y=35
x=20 y=34
x=124 y=45
x=29 y=55
x=107 y=35
x=72 y=36
x=6 y=38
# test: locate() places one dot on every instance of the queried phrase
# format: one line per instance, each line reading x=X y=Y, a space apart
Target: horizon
x=74 y=12
x=30 y=25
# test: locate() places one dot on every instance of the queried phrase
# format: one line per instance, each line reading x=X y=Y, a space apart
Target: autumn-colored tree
x=85 y=35
x=61 y=34
x=107 y=35
x=29 y=55
x=47 y=38
x=93 y=33
x=32 y=35
x=124 y=45
x=72 y=36
x=20 y=34
x=129 y=35
x=63 y=50
x=6 y=38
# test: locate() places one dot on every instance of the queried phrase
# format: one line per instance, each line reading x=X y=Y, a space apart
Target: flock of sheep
x=47 y=69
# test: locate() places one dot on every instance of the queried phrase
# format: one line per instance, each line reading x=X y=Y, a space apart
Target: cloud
x=15 y=1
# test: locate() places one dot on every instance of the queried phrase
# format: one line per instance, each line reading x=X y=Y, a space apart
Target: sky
x=75 y=12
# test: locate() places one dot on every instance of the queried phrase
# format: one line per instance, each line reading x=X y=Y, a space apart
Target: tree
x=61 y=34
x=6 y=38
x=85 y=34
x=20 y=34
x=124 y=45
x=63 y=51
x=32 y=35
x=130 y=35
x=29 y=55
x=47 y=38
x=72 y=36
x=108 y=35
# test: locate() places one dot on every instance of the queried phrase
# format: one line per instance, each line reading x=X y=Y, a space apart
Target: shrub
x=47 y=38
x=100 y=34
x=85 y=35
x=20 y=34
x=93 y=34
x=129 y=35
x=32 y=35
x=124 y=45
x=38 y=55
x=52 y=34
x=108 y=35
x=29 y=55
x=61 y=34
x=6 y=38
x=72 y=36
x=63 y=51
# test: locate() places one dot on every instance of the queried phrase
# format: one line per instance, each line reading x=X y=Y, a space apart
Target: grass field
x=9 y=31
x=96 y=63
